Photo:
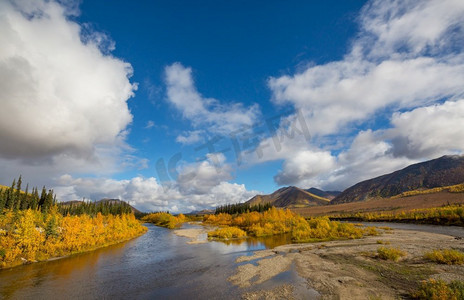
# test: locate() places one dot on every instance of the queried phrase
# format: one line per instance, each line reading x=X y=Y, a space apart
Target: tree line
x=240 y=208
x=14 y=198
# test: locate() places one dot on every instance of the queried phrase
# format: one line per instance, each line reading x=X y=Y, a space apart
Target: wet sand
x=350 y=269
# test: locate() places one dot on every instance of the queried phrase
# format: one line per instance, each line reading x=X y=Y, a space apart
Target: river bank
x=350 y=269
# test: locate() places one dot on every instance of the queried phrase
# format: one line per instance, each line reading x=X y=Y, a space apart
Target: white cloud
x=201 y=185
x=150 y=124
x=406 y=57
x=147 y=194
x=190 y=137
x=64 y=96
x=199 y=178
x=305 y=165
x=206 y=112
x=428 y=131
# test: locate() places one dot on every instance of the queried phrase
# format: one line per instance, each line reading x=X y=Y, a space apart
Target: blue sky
x=124 y=99
x=233 y=47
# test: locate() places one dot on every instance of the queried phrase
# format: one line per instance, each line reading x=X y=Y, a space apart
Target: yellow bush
x=31 y=235
x=279 y=221
x=390 y=253
x=165 y=219
x=439 y=290
x=227 y=233
x=459 y=188
x=446 y=256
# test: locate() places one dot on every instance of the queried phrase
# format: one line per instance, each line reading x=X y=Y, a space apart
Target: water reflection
x=156 y=265
x=268 y=242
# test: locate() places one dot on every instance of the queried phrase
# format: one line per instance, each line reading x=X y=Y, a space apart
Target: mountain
x=444 y=171
x=324 y=194
x=289 y=197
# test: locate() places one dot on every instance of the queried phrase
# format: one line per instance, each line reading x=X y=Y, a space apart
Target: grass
x=446 y=256
x=438 y=290
x=385 y=228
x=383 y=242
x=390 y=253
x=458 y=188
x=227 y=233
x=402 y=277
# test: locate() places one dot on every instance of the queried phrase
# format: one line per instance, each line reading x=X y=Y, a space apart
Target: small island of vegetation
x=265 y=220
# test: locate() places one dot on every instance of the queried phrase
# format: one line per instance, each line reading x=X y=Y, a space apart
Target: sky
x=187 y=105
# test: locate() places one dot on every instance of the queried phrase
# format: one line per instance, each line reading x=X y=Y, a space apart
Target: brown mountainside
x=289 y=197
x=444 y=171
x=324 y=194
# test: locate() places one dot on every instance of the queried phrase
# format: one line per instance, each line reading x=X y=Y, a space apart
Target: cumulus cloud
x=304 y=166
x=428 y=131
x=220 y=118
x=404 y=63
x=62 y=92
x=147 y=194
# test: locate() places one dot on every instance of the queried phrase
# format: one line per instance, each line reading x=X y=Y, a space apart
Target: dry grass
x=446 y=256
x=390 y=253
x=385 y=205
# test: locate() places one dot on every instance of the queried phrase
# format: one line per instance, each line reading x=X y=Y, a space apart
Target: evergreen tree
x=43 y=198
x=18 y=197
x=2 y=198
x=24 y=199
x=10 y=200
x=34 y=199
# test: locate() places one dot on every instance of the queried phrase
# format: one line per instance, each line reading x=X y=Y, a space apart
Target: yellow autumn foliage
x=30 y=235
x=164 y=219
x=227 y=233
x=279 y=221
x=447 y=215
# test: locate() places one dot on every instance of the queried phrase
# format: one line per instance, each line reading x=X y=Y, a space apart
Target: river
x=157 y=265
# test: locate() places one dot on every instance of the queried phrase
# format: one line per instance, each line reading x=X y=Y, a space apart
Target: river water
x=157 y=265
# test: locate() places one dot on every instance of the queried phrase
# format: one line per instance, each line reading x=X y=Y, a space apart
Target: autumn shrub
x=446 y=256
x=279 y=221
x=433 y=289
x=222 y=219
x=164 y=219
x=390 y=253
x=459 y=188
x=448 y=215
x=322 y=229
x=32 y=235
x=227 y=233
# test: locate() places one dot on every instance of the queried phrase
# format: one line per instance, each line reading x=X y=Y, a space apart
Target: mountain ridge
x=290 y=196
x=443 y=171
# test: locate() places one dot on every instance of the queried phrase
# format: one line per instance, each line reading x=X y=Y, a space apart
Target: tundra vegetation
x=270 y=222
x=446 y=215
x=446 y=256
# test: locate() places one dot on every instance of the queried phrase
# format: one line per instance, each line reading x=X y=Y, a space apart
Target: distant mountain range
x=290 y=197
x=444 y=171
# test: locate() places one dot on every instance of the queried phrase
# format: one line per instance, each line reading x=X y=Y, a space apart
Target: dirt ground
x=350 y=269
